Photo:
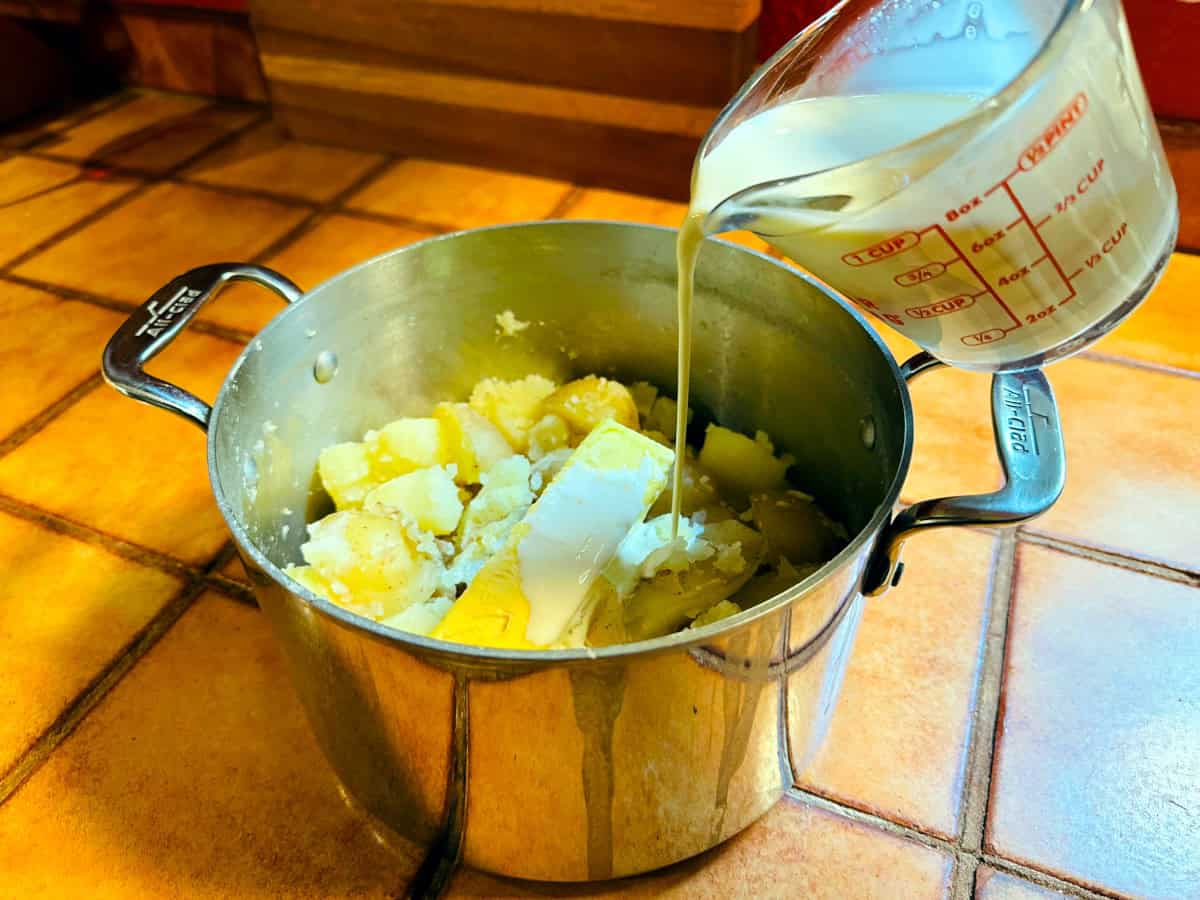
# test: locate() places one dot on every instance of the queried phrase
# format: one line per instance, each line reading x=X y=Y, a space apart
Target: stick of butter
x=527 y=595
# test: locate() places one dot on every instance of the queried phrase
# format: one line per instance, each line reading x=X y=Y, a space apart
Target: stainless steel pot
x=581 y=764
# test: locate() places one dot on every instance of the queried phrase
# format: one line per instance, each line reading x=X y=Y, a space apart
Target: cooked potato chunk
x=370 y=563
x=795 y=527
x=586 y=402
x=345 y=470
x=427 y=497
x=549 y=434
x=716 y=613
x=669 y=600
x=472 y=442
x=512 y=406
x=644 y=394
x=741 y=466
x=405 y=445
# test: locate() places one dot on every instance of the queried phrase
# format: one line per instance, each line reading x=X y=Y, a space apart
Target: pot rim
x=453 y=652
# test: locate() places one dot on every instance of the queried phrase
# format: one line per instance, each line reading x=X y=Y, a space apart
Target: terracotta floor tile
x=614 y=205
x=40 y=365
x=196 y=777
x=1164 y=329
x=1133 y=464
x=138 y=248
x=796 y=850
x=337 y=243
x=147 y=111
x=453 y=196
x=39 y=198
x=991 y=884
x=175 y=142
x=127 y=469
x=34 y=132
x=66 y=609
x=152 y=132
x=953 y=450
x=897 y=745
x=265 y=160
x=1097 y=771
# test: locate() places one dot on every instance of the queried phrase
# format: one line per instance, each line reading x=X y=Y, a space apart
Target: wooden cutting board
x=608 y=92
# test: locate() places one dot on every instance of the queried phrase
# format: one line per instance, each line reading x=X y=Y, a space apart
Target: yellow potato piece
x=796 y=528
x=716 y=613
x=669 y=600
x=741 y=465
x=369 y=563
x=346 y=473
x=586 y=402
x=549 y=434
x=512 y=406
x=405 y=445
x=472 y=443
x=428 y=497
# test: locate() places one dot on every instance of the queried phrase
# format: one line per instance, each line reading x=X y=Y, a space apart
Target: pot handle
x=1030 y=446
x=149 y=330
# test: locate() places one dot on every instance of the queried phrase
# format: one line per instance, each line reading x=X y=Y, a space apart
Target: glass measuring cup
x=983 y=175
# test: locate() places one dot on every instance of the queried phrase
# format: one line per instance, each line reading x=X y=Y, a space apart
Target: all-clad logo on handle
x=167 y=314
x=1021 y=421
x=1067 y=119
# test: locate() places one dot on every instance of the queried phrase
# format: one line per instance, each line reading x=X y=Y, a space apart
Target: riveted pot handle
x=149 y=330
x=1029 y=443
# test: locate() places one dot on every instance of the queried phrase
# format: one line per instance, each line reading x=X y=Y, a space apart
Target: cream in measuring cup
x=984 y=176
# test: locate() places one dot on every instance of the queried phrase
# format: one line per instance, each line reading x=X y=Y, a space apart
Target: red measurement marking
x=882 y=250
x=1013 y=224
x=1067 y=118
x=941 y=307
x=1042 y=222
x=984 y=337
x=920 y=275
x=1037 y=235
x=1016 y=322
x=1074 y=275
x=1040 y=259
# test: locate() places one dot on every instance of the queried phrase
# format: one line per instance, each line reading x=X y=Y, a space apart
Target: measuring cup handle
x=149 y=330
x=1030 y=446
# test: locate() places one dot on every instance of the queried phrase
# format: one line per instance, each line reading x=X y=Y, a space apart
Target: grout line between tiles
x=97 y=689
x=75 y=227
x=319 y=214
x=32 y=426
x=1140 y=364
x=985 y=725
x=233 y=590
x=1046 y=880
x=1111 y=558
x=212 y=329
x=565 y=203
x=962 y=878
x=85 y=114
x=848 y=804
x=132 y=552
x=390 y=219
x=876 y=821
x=138 y=191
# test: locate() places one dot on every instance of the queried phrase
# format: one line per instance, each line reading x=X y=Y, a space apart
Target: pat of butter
x=527 y=595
